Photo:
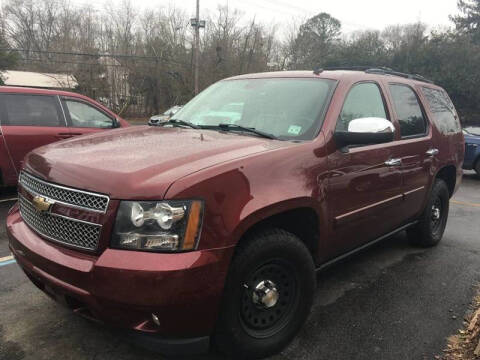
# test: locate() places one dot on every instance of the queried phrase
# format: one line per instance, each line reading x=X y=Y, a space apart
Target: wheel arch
x=298 y=217
x=448 y=173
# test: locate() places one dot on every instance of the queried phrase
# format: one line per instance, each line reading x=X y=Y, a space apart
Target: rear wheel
x=429 y=231
x=477 y=167
x=268 y=295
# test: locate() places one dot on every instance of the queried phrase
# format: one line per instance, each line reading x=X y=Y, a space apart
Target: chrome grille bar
x=71 y=232
x=69 y=196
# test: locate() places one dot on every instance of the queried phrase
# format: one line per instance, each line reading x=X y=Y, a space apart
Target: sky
x=354 y=14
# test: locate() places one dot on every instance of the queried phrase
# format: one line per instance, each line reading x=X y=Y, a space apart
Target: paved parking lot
x=390 y=302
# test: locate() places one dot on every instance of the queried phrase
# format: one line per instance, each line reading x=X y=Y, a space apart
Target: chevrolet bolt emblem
x=42 y=204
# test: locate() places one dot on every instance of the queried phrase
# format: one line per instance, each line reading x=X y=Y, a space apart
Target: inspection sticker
x=294 y=129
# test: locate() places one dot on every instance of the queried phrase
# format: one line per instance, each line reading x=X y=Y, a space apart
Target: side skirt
x=363 y=247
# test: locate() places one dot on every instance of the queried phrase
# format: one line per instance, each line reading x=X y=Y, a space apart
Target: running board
x=363 y=247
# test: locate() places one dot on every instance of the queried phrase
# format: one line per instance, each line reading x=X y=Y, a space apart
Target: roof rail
x=380 y=71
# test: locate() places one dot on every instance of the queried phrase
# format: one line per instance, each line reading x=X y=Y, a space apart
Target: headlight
x=158 y=226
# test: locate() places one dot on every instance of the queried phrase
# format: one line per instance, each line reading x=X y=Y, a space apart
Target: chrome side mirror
x=371 y=125
x=365 y=131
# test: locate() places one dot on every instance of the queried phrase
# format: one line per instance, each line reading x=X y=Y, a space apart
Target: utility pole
x=197 y=24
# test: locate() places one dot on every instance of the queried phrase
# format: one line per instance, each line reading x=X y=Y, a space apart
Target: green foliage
x=451 y=59
x=469 y=19
x=315 y=40
x=365 y=48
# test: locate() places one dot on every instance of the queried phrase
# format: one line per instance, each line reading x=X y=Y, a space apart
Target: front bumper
x=124 y=288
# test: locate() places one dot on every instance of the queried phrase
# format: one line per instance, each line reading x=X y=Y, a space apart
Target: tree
x=406 y=45
x=140 y=61
x=315 y=41
x=453 y=62
x=469 y=19
x=364 y=48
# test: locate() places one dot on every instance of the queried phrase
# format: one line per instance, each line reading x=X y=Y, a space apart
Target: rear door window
x=363 y=101
x=444 y=115
x=409 y=112
x=31 y=110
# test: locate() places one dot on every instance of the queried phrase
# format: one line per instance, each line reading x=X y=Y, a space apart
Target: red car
x=208 y=229
x=30 y=118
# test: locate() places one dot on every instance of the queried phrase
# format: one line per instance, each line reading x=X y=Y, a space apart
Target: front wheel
x=268 y=295
x=477 y=167
x=429 y=231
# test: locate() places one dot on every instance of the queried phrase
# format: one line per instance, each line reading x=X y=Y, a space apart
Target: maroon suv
x=30 y=118
x=208 y=229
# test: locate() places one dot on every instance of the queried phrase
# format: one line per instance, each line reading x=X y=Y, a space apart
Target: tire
x=429 y=231
x=253 y=323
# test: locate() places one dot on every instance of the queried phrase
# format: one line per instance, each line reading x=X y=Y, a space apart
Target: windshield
x=472 y=130
x=285 y=108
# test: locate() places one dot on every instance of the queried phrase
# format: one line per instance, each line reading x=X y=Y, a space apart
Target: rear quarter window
x=445 y=116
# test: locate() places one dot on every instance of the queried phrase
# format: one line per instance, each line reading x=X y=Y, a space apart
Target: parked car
x=472 y=149
x=212 y=234
x=158 y=119
x=228 y=114
x=30 y=118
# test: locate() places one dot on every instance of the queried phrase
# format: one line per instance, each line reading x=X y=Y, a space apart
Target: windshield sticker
x=294 y=129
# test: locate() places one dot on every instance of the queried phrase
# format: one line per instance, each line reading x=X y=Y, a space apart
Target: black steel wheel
x=268 y=300
x=268 y=295
x=436 y=215
x=431 y=226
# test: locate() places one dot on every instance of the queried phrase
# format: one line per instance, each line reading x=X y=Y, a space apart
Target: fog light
x=155 y=319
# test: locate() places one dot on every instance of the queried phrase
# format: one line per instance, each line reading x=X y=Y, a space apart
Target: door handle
x=393 y=162
x=432 y=152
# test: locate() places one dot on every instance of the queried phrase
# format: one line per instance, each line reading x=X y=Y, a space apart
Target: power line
x=29 y=61
x=99 y=55
x=69 y=62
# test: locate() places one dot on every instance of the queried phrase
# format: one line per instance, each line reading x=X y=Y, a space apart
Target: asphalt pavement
x=391 y=301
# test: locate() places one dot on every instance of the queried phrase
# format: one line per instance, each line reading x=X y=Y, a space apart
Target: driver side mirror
x=366 y=131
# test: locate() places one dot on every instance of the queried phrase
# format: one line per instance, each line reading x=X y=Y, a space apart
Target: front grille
x=60 y=229
x=69 y=196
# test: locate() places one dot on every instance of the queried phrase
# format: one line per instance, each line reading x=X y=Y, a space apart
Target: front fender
x=246 y=191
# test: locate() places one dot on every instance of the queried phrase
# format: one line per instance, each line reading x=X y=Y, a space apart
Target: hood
x=139 y=162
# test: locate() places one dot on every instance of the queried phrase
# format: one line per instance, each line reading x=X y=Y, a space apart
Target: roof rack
x=376 y=70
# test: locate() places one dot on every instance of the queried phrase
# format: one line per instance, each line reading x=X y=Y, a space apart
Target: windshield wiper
x=233 y=127
x=179 y=122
